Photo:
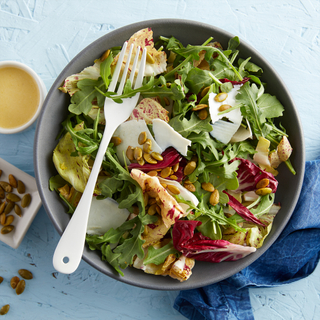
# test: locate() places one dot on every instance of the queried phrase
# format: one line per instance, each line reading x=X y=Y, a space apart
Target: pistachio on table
x=20 y=287
x=14 y=282
x=4 y=310
x=25 y=274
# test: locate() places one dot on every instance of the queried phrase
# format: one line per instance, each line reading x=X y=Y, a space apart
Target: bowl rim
x=301 y=160
x=42 y=94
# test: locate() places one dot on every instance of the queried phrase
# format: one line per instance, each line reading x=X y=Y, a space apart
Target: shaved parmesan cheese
x=167 y=137
x=234 y=115
x=105 y=214
x=242 y=134
x=224 y=130
x=129 y=132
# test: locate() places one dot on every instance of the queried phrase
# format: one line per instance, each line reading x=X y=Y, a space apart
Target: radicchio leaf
x=170 y=157
x=197 y=246
x=244 y=80
x=249 y=175
x=242 y=211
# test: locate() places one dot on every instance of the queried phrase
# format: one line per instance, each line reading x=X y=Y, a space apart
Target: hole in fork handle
x=65 y=260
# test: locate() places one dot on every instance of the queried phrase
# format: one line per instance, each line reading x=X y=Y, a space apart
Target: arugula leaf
x=251 y=67
x=197 y=79
x=242 y=66
x=105 y=70
x=81 y=101
x=110 y=185
x=233 y=44
x=131 y=246
x=128 y=92
x=215 y=213
x=174 y=92
x=111 y=257
x=56 y=182
x=209 y=228
x=185 y=127
x=224 y=177
x=205 y=140
x=270 y=107
x=248 y=97
x=128 y=199
x=158 y=256
x=181 y=108
x=242 y=149
x=171 y=43
x=222 y=70
x=130 y=193
x=194 y=51
x=259 y=109
x=264 y=205
x=111 y=236
x=83 y=142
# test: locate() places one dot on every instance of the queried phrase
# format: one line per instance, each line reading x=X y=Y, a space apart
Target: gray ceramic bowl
x=54 y=112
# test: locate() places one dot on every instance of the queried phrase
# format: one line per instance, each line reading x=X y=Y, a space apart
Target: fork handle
x=69 y=250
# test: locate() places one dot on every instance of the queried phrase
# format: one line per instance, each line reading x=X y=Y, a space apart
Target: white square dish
x=21 y=224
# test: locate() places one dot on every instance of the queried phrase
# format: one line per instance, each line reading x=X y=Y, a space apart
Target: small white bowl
x=42 y=92
x=21 y=224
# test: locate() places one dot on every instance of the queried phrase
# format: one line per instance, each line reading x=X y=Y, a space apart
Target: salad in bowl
x=192 y=174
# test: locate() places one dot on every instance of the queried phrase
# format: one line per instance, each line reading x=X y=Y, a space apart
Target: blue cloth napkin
x=292 y=257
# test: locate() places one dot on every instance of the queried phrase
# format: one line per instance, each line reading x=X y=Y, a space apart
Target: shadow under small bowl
x=55 y=110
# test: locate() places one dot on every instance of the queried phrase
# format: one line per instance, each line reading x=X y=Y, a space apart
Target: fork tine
x=141 y=69
x=125 y=72
x=116 y=73
x=133 y=70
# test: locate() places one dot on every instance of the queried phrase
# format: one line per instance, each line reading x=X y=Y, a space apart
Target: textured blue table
x=46 y=35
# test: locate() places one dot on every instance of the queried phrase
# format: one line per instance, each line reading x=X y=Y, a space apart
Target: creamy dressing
x=19 y=97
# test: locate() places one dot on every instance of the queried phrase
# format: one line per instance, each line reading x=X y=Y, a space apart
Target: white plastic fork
x=69 y=250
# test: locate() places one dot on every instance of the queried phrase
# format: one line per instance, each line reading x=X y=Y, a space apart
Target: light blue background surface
x=46 y=35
